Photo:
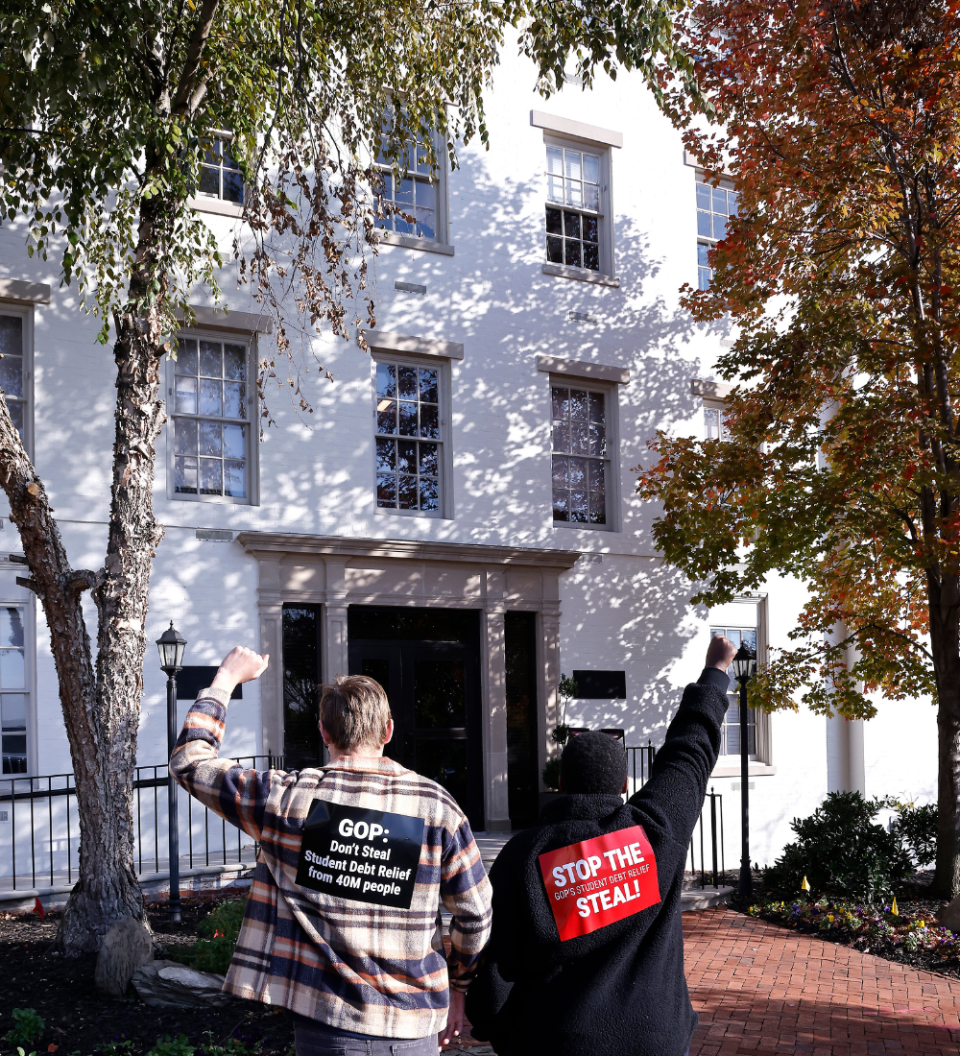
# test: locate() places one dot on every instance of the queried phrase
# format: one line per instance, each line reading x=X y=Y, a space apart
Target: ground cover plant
x=214 y=949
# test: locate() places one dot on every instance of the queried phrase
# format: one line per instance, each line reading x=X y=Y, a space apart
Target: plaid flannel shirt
x=355 y=966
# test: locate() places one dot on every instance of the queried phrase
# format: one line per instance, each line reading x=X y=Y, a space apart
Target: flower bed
x=913 y=939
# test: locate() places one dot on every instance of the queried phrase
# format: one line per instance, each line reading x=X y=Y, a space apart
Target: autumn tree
x=839 y=122
x=106 y=112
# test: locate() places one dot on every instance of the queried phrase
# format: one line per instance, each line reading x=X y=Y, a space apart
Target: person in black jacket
x=586 y=953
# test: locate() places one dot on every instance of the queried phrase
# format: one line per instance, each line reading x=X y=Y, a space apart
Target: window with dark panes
x=580 y=460
x=715 y=206
x=573 y=207
x=212 y=423
x=13 y=690
x=220 y=175
x=731 y=732
x=408 y=437
x=12 y=371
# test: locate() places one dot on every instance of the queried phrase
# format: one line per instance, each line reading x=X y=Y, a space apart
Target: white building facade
x=458 y=517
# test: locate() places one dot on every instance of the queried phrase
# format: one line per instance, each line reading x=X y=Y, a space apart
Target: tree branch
x=191 y=67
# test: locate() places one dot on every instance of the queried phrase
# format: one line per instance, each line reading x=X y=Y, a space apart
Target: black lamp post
x=171 y=647
x=744 y=668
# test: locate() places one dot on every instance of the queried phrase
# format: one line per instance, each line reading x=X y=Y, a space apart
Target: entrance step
x=696 y=898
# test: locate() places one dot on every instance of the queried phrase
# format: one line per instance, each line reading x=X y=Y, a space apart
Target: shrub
x=551 y=774
x=917 y=828
x=214 y=951
x=28 y=1026
x=842 y=852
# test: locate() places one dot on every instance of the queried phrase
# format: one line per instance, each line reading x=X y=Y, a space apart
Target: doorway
x=428 y=661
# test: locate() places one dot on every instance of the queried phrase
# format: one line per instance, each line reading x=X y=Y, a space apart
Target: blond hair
x=355 y=712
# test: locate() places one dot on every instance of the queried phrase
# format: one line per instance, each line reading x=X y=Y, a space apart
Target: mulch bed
x=80 y=1020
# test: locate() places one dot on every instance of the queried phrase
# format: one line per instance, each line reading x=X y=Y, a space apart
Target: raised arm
x=237 y=795
x=678 y=780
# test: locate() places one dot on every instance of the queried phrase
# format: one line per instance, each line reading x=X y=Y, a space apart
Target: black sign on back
x=365 y=855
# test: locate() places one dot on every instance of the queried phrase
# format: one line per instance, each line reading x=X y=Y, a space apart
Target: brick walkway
x=761 y=990
x=765 y=991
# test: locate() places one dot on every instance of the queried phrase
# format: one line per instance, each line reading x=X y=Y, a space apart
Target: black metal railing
x=708 y=833
x=639 y=765
x=40 y=828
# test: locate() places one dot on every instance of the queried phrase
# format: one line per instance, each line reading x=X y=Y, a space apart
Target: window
x=220 y=175
x=731 y=731
x=715 y=423
x=13 y=685
x=409 y=200
x=715 y=205
x=409 y=442
x=574 y=214
x=212 y=429
x=14 y=344
x=580 y=450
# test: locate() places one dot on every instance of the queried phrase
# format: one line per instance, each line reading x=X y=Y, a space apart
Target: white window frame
x=607 y=257
x=708 y=240
x=25 y=313
x=25 y=601
x=610 y=392
x=761 y=761
x=440 y=243
x=252 y=419
x=445 y=510
x=718 y=406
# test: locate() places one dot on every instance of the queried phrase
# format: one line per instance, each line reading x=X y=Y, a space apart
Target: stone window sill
x=564 y=271
x=391 y=238
x=755 y=770
x=217 y=206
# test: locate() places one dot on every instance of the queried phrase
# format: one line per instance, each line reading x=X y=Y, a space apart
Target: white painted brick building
x=493 y=326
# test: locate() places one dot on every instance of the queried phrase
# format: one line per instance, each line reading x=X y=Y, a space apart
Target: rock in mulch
x=127 y=946
x=175 y=985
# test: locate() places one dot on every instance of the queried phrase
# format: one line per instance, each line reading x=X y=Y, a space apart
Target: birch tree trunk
x=101 y=705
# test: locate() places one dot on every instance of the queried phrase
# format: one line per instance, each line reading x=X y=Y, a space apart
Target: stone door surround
x=337 y=572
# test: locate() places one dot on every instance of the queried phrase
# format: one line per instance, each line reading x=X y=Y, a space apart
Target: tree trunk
x=102 y=709
x=945 y=645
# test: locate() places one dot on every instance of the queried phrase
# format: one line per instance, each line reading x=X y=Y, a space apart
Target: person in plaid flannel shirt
x=357 y=977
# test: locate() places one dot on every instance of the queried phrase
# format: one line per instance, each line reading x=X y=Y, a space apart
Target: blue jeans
x=319 y=1039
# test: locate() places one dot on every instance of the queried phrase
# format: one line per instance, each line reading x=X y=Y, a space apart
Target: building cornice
x=282 y=543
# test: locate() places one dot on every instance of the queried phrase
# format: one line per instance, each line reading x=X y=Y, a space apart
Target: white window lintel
x=384 y=341
x=26 y=292
x=565 y=126
x=579 y=369
x=229 y=322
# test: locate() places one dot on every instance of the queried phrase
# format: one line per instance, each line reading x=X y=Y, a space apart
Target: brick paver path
x=761 y=989
x=766 y=991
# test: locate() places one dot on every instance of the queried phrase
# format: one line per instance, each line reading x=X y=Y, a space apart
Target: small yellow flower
x=893 y=908
x=805 y=885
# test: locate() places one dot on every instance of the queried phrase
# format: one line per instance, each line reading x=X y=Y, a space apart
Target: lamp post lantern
x=171 y=647
x=744 y=668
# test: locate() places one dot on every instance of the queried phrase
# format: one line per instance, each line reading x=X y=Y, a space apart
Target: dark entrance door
x=428 y=661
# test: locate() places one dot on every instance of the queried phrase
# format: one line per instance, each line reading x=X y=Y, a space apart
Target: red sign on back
x=600 y=881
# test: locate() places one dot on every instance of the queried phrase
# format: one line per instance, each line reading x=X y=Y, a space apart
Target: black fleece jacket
x=619 y=990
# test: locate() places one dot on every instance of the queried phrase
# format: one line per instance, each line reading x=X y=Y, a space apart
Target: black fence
x=639 y=764
x=40 y=828
x=707 y=841
x=708 y=835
